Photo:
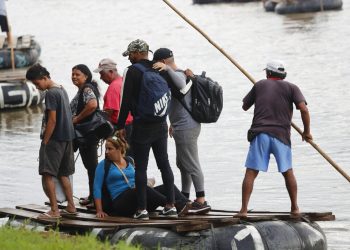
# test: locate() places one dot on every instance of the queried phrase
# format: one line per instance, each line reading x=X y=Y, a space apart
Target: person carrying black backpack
x=184 y=128
x=147 y=95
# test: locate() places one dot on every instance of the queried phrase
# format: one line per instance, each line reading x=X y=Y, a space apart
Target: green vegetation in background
x=21 y=238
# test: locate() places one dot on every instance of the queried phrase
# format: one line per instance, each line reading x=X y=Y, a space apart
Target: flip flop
x=66 y=212
x=48 y=216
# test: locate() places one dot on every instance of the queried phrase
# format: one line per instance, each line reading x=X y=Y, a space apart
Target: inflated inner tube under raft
x=301 y=6
x=19 y=94
x=221 y=1
x=260 y=235
x=217 y=229
x=26 y=51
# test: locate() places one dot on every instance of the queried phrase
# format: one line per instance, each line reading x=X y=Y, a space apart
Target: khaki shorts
x=56 y=158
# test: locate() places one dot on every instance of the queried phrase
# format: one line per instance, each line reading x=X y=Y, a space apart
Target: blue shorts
x=259 y=153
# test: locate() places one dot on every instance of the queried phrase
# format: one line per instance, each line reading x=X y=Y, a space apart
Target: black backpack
x=207 y=99
x=106 y=199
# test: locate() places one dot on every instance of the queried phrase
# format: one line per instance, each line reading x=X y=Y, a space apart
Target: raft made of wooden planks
x=86 y=220
x=8 y=75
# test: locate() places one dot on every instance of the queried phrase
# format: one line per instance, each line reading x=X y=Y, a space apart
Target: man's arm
x=50 y=126
x=126 y=96
x=109 y=112
x=249 y=99
x=305 y=116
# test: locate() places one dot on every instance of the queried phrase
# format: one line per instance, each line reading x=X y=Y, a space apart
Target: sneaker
x=199 y=208
x=182 y=211
x=141 y=215
x=85 y=201
x=169 y=212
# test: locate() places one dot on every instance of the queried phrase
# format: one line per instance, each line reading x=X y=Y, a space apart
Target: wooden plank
x=62 y=222
x=92 y=217
x=17 y=213
x=323 y=218
x=221 y=217
x=85 y=211
x=191 y=228
x=79 y=208
x=68 y=222
x=270 y=212
x=123 y=222
x=12 y=75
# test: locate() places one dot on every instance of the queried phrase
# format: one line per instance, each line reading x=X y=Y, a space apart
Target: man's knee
x=288 y=174
x=251 y=173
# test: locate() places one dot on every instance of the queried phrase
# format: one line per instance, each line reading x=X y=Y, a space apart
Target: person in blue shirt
x=120 y=183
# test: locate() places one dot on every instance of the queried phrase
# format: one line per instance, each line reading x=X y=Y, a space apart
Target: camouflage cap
x=137 y=45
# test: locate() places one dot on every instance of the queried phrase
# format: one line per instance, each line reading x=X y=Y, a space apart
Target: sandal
x=47 y=216
x=66 y=212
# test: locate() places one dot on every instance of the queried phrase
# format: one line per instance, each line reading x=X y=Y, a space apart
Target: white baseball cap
x=275 y=66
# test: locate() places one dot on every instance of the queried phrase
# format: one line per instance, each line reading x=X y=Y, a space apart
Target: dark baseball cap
x=162 y=53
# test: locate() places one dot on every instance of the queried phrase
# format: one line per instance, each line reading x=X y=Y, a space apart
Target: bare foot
x=71 y=209
x=241 y=214
x=295 y=213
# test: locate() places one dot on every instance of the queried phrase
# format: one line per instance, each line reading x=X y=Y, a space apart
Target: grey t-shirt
x=273 y=110
x=179 y=117
x=56 y=98
x=2 y=8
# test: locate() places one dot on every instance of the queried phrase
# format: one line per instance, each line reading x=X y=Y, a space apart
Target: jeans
x=144 y=137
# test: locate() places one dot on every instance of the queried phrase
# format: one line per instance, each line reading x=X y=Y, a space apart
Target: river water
x=315 y=48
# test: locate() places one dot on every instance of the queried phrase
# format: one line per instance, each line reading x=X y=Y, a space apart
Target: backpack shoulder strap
x=181 y=100
x=130 y=160
x=107 y=167
x=140 y=67
x=185 y=106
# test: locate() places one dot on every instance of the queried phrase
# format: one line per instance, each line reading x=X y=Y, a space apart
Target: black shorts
x=4 y=24
x=56 y=158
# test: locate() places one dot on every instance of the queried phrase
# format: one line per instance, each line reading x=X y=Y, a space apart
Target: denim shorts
x=259 y=153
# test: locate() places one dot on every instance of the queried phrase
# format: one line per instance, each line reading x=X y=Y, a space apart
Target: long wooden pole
x=335 y=165
x=321 y=5
x=10 y=44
